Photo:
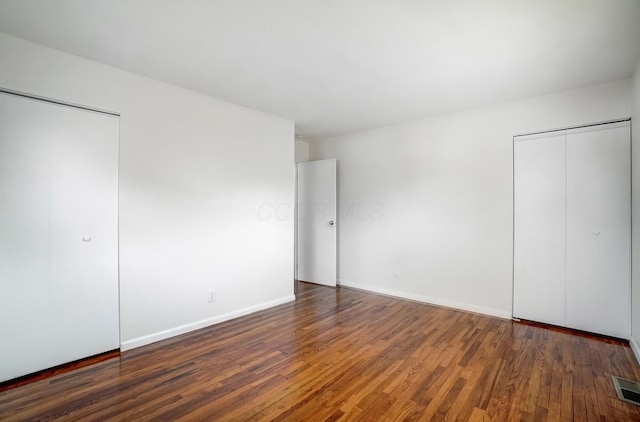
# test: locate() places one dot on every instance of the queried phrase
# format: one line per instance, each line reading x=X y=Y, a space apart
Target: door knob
x=332 y=223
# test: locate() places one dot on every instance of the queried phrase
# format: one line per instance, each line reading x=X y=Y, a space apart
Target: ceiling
x=343 y=66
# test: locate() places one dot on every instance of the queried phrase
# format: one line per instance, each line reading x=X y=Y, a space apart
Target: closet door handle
x=86 y=239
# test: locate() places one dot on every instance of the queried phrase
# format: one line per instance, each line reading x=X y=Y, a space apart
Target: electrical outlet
x=211 y=297
x=396 y=275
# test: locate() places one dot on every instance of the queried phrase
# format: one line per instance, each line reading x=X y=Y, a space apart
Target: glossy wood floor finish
x=342 y=354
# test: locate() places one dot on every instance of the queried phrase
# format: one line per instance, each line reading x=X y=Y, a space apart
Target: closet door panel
x=84 y=238
x=24 y=235
x=539 y=224
x=598 y=230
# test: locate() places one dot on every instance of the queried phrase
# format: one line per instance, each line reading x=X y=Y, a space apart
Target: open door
x=316 y=222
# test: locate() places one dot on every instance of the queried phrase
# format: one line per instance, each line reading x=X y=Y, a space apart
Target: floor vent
x=627 y=390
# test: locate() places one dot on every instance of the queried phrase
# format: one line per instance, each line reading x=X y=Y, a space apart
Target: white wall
x=194 y=172
x=301 y=151
x=635 y=208
x=426 y=208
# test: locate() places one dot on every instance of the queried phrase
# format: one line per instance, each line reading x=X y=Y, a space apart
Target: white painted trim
x=426 y=299
x=172 y=332
x=635 y=348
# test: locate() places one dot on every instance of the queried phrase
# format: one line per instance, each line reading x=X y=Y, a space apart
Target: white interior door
x=599 y=229
x=58 y=234
x=539 y=228
x=316 y=222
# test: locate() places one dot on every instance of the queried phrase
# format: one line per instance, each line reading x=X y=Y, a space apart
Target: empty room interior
x=319 y=210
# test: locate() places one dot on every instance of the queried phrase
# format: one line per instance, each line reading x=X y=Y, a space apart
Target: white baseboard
x=426 y=299
x=172 y=332
x=635 y=348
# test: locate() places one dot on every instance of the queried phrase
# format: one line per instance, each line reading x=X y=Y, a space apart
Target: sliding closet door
x=24 y=236
x=58 y=235
x=599 y=229
x=539 y=224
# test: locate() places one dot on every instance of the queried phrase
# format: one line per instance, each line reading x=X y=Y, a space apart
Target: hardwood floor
x=342 y=354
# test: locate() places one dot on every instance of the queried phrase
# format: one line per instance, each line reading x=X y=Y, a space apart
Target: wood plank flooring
x=342 y=354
